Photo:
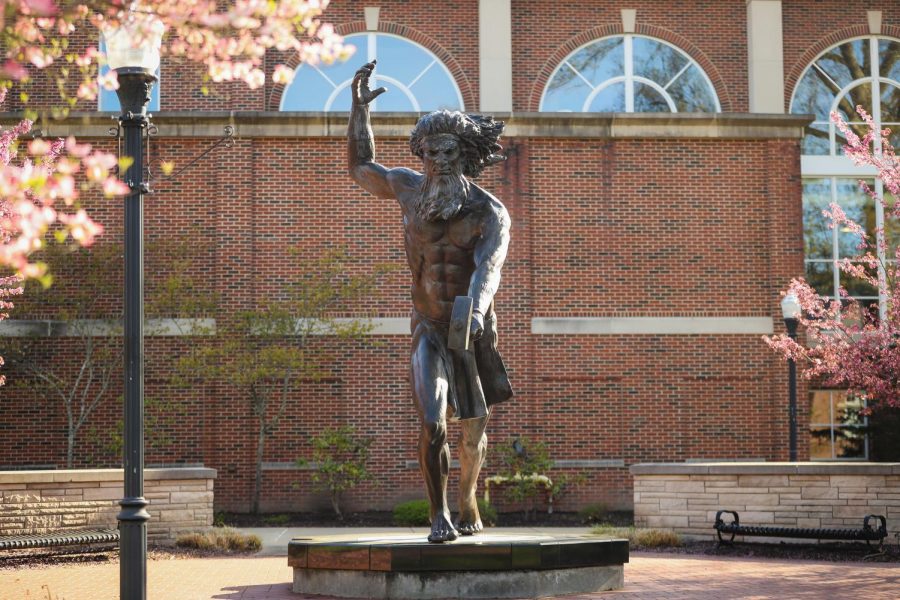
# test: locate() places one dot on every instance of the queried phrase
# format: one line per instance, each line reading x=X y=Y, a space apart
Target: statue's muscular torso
x=441 y=254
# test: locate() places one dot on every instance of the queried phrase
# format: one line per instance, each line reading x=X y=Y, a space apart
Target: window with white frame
x=860 y=72
x=629 y=73
x=108 y=100
x=416 y=79
x=837 y=427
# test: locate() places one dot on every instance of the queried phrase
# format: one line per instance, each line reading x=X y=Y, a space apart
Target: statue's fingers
x=378 y=92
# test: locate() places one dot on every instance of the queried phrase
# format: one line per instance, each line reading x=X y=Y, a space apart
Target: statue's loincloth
x=475 y=380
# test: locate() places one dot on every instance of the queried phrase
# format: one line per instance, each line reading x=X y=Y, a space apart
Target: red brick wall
x=602 y=228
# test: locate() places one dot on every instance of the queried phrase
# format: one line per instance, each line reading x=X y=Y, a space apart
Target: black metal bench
x=866 y=534
x=82 y=537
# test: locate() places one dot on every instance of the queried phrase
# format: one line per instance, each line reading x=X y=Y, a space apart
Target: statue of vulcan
x=456 y=236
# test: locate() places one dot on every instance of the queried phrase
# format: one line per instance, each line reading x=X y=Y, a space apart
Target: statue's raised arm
x=360 y=143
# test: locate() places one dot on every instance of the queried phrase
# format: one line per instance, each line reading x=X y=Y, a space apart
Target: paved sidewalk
x=664 y=576
x=648 y=575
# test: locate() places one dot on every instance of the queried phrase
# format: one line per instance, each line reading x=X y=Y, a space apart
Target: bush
x=488 y=513
x=639 y=537
x=339 y=462
x=414 y=513
x=280 y=519
x=224 y=538
x=594 y=513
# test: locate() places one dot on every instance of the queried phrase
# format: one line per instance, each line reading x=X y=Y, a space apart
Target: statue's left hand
x=476 y=330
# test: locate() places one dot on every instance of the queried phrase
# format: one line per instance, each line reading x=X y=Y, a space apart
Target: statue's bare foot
x=469 y=521
x=442 y=529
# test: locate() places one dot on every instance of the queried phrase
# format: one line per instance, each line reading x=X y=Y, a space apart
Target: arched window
x=629 y=73
x=108 y=100
x=416 y=79
x=859 y=72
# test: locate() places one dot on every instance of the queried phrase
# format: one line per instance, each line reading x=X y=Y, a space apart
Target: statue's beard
x=442 y=196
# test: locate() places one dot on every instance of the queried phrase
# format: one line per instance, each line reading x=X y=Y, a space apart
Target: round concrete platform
x=482 y=566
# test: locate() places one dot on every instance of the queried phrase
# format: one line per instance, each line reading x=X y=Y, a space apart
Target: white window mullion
x=629 y=73
x=875 y=62
x=371 y=53
x=836 y=272
x=831 y=418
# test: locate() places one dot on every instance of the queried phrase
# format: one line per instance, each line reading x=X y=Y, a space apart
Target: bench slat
x=66 y=538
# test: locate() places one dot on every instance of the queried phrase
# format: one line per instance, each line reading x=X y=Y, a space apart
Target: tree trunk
x=260 y=449
x=70 y=449
x=336 y=505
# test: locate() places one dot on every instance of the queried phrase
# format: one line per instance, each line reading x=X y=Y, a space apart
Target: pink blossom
x=845 y=345
x=109 y=80
x=282 y=75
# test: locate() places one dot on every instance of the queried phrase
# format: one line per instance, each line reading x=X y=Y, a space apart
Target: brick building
x=664 y=181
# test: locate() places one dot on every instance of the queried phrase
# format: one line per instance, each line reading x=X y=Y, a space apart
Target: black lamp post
x=790 y=310
x=135 y=67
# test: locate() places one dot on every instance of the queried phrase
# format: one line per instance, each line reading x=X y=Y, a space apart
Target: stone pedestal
x=481 y=566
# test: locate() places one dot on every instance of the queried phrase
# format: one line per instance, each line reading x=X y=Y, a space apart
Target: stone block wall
x=33 y=502
x=685 y=496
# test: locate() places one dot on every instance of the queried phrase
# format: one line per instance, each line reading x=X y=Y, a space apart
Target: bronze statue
x=456 y=237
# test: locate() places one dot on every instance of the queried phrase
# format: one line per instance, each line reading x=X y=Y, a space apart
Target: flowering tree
x=230 y=43
x=848 y=345
x=41 y=192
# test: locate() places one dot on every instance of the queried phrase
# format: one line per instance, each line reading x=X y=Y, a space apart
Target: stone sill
x=78 y=475
x=262 y=124
x=766 y=468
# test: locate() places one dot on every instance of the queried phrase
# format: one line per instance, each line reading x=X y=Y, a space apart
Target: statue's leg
x=472 y=452
x=429 y=384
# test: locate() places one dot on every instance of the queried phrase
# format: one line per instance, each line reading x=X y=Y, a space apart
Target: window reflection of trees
x=629 y=73
x=824 y=245
x=841 y=79
x=838 y=427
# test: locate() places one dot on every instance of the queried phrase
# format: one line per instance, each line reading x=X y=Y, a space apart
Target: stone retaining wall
x=686 y=496
x=181 y=499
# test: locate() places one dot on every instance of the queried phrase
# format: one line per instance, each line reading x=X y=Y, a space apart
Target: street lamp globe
x=132 y=51
x=134 y=44
x=790 y=306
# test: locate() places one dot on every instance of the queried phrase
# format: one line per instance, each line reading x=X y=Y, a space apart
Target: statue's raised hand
x=360 y=86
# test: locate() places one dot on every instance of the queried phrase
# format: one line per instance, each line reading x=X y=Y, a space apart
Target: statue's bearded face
x=445 y=188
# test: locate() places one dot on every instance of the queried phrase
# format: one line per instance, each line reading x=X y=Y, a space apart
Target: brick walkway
x=647 y=576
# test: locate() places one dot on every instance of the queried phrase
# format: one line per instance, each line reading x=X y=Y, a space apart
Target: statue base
x=481 y=566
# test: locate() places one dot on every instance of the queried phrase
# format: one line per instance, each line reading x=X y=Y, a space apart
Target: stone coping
x=76 y=475
x=262 y=124
x=766 y=468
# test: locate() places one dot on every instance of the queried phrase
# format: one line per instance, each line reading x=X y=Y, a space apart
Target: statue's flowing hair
x=478 y=136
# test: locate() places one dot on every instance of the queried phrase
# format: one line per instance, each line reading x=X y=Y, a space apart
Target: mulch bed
x=831 y=551
x=386 y=519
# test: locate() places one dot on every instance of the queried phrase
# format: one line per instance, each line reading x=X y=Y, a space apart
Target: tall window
x=629 y=73
x=860 y=72
x=416 y=79
x=836 y=427
x=107 y=100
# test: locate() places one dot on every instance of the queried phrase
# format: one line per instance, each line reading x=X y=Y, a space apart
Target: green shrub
x=639 y=537
x=224 y=538
x=488 y=513
x=281 y=519
x=594 y=513
x=220 y=518
x=414 y=513
x=339 y=462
